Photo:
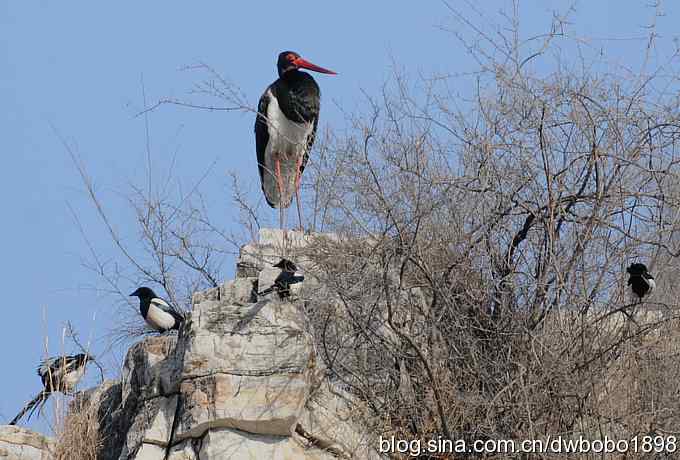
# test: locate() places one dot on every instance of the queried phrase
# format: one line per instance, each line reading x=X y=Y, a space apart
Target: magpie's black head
x=144 y=293
x=286 y=265
x=290 y=60
x=81 y=358
x=637 y=269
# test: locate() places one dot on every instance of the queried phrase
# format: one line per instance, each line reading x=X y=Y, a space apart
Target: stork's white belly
x=287 y=143
x=159 y=319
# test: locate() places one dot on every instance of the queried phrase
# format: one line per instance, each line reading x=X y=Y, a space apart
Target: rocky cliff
x=20 y=443
x=240 y=381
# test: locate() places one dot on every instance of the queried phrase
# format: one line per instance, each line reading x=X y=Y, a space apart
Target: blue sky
x=79 y=67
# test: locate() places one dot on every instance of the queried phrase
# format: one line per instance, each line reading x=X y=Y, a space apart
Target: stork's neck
x=296 y=77
x=298 y=96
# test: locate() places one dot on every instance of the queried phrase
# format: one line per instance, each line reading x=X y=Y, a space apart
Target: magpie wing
x=48 y=365
x=55 y=364
x=163 y=305
x=52 y=369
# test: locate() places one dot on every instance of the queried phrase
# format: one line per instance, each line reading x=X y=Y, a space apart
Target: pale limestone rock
x=151 y=425
x=235 y=383
x=150 y=383
x=163 y=411
x=17 y=443
x=149 y=370
x=273 y=244
x=327 y=420
x=150 y=452
x=256 y=340
x=208 y=294
x=268 y=275
x=252 y=258
x=239 y=291
x=245 y=368
x=227 y=444
x=186 y=450
x=265 y=405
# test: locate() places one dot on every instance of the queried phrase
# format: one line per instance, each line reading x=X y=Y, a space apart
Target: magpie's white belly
x=295 y=288
x=159 y=319
x=652 y=286
x=70 y=379
x=287 y=143
x=650 y=282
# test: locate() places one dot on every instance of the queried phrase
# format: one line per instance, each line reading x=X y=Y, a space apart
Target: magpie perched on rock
x=156 y=311
x=287 y=277
x=59 y=373
x=641 y=283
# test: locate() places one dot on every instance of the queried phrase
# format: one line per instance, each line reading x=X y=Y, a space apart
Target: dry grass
x=78 y=436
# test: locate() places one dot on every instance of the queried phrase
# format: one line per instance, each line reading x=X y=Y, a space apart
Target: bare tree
x=480 y=272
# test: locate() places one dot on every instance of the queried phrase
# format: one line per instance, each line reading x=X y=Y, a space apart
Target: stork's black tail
x=32 y=405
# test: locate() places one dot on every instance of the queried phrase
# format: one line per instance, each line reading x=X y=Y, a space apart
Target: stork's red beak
x=301 y=63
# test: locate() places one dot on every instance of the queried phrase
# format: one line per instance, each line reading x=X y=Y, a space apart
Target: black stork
x=285 y=126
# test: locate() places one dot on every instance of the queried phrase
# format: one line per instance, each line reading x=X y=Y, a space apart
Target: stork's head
x=290 y=60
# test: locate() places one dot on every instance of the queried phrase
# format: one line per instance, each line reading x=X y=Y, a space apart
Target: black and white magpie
x=156 y=311
x=59 y=373
x=641 y=283
x=286 y=278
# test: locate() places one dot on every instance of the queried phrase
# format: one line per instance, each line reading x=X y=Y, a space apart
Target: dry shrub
x=78 y=436
x=477 y=287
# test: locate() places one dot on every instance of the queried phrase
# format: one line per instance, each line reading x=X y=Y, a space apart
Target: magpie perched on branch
x=156 y=311
x=59 y=373
x=287 y=277
x=641 y=283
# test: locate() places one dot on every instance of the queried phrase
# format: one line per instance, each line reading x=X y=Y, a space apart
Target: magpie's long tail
x=32 y=405
x=266 y=291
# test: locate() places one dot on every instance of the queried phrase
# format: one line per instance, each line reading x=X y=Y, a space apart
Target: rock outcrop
x=20 y=443
x=240 y=381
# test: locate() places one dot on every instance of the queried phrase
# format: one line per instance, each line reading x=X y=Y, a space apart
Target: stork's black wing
x=262 y=131
x=310 y=142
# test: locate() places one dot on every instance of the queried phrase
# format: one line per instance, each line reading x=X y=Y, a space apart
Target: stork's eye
x=290 y=57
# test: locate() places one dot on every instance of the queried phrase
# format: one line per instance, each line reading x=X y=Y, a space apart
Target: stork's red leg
x=297 y=201
x=279 y=182
x=298 y=176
